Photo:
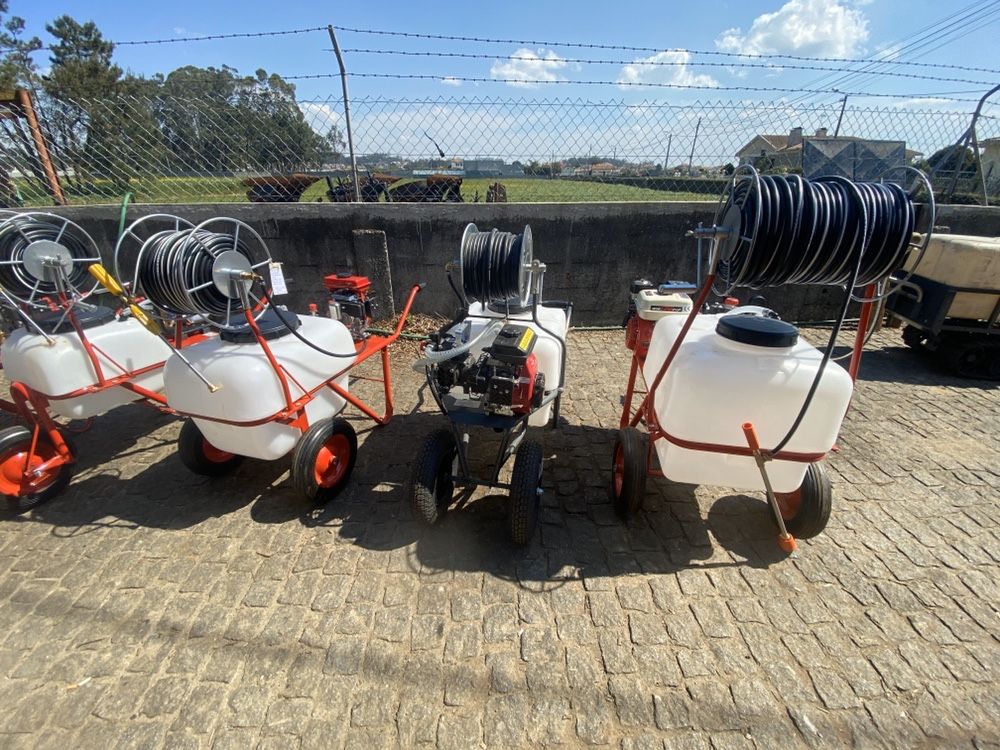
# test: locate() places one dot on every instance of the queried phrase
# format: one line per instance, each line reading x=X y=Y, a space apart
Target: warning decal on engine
x=525 y=339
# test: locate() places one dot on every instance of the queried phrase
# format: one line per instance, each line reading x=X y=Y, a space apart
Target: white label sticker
x=278 y=285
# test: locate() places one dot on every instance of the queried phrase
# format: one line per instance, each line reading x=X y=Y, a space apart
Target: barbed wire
x=212 y=37
x=655 y=63
x=638 y=84
x=630 y=48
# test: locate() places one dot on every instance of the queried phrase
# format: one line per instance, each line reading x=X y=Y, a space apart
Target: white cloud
x=525 y=66
x=451 y=81
x=922 y=101
x=669 y=66
x=828 y=28
x=320 y=116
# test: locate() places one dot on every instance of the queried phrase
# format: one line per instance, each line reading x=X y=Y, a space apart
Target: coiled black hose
x=174 y=271
x=19 y=232
x=824 y=231
x=493 y=264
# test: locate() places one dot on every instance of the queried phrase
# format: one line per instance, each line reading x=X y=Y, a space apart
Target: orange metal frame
x=645 y=414
x=32 y=406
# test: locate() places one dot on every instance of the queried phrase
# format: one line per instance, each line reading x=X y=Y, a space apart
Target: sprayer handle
x=106 y=280
x=110 y=283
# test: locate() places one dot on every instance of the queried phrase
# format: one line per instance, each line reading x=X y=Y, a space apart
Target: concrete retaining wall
x=592 y=250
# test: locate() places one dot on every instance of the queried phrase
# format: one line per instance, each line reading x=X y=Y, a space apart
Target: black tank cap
x=56 y=321
x=757 y=331
x=270 y=325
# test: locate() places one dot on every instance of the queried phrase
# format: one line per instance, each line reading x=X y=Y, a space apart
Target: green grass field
x=229 y=190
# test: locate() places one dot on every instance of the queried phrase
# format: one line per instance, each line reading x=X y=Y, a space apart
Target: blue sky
x=953 y=33
x=852 y=29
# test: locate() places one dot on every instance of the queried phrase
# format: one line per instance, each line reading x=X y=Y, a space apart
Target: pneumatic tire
x=628 y=471
x=431 y=485
x=806 y=511
x=525 y=503
x=323 y=459
x=15 y=443
x=200 y=456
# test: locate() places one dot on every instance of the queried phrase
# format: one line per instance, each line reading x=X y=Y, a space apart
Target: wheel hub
x=331 y=461
x=14 y=480
x=213 y=454
x=789 y=503
x=618 y=476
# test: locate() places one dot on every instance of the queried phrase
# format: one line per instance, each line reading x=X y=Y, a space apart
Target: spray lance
x=110 y=283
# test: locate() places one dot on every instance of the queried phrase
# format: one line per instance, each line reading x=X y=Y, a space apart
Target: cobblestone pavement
x=147 y=607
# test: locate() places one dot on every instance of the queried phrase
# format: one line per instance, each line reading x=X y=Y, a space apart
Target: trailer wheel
x=15 y=443
x=525 y=481
x=323 y=459
x=200 y=456
x=806 y=511
x=628 y=471
x=972 y=359
x=913 y=336
x=431 y=485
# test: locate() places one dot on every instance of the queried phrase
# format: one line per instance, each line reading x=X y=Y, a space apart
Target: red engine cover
x=638 y=334
x=524 y=390
x=336 y=282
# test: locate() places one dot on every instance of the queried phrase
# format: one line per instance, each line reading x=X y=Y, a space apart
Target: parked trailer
x=952 y=306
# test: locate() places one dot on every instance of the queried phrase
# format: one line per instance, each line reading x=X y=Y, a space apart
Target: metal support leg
x=785 y=540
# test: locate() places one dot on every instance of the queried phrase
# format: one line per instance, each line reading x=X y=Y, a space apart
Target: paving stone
x=456 y=732
x=207 y=614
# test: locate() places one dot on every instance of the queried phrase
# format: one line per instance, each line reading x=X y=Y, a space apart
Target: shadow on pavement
x=579 y=533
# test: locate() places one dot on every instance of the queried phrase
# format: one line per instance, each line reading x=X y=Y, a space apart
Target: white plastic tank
x=249 y=388
x=547 y=349
x=64 y=367
x=715 y=384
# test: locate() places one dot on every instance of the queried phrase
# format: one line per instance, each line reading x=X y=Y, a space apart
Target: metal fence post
x=347 y=114
x=958 y=152
x=694 y=143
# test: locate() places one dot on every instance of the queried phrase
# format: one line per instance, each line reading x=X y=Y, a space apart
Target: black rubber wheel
x=323 y=459
x=431 y=485
x=913 y=336
x=967 y=359
x=628 y=471
x=525 y=480
x=807 y=510
x=200 y=456
x=15 y=442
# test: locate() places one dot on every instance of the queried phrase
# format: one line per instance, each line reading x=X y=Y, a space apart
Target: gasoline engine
x=504 y=378
x=647 y=303
x=350 y=302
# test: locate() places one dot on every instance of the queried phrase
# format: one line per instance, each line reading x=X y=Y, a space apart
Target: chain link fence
x=200 y=150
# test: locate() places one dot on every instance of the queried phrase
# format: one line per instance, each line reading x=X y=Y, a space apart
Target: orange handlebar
x=751 y=436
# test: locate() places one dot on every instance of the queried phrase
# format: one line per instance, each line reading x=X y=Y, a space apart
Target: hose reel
x=44 y=255
x=784 y=229
x=497 y=267
x=206 y=270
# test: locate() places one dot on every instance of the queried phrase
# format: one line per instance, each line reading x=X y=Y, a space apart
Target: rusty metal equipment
x=18 y=104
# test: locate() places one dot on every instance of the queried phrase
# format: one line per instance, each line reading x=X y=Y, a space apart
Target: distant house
x=784 y=152
x=776 y=151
